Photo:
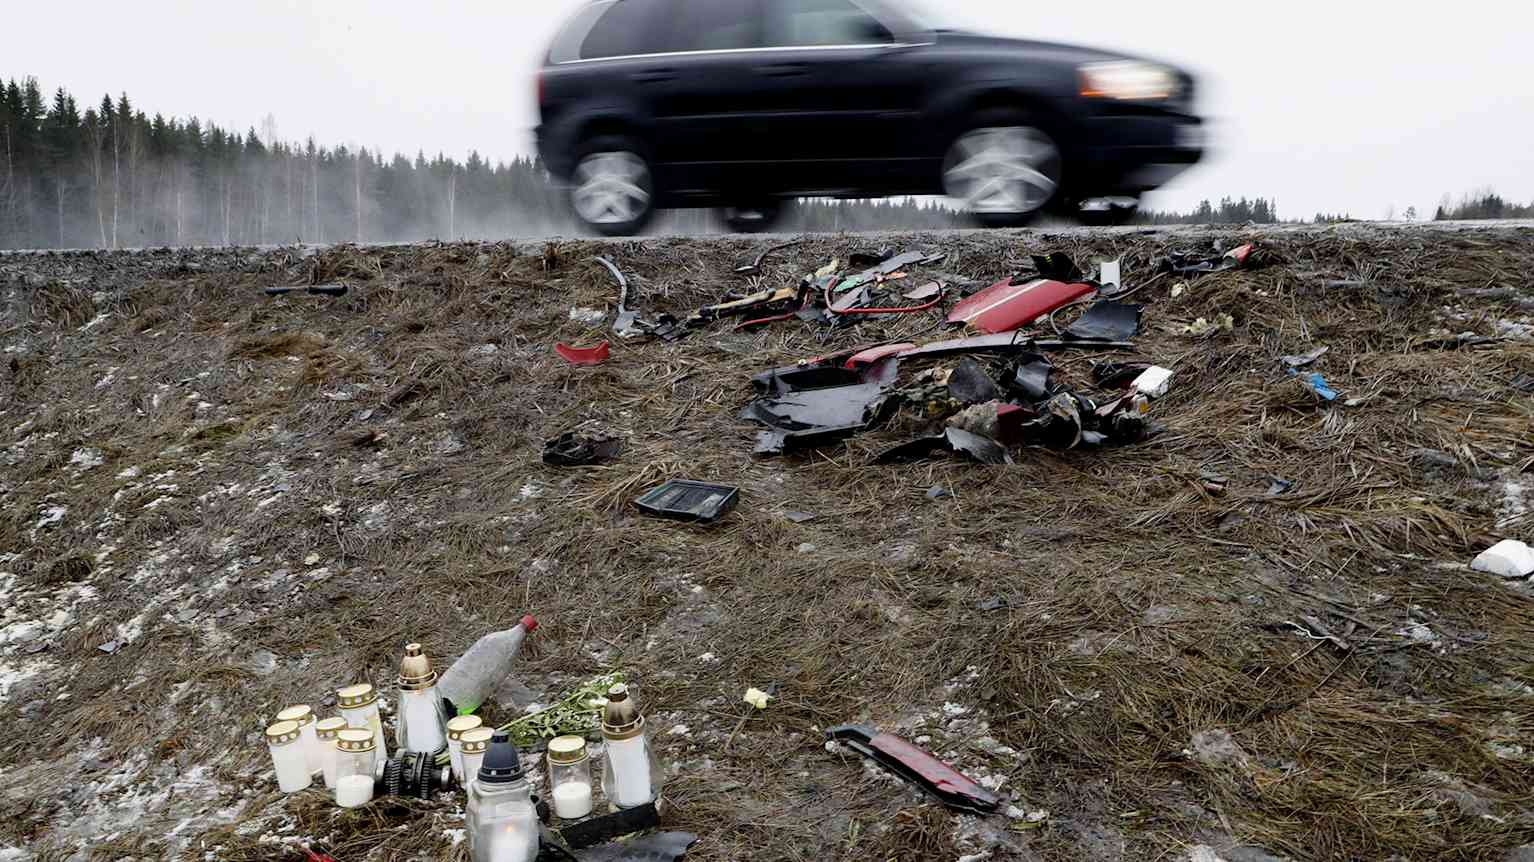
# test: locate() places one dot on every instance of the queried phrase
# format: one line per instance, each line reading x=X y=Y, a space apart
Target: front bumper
x=1133 y=153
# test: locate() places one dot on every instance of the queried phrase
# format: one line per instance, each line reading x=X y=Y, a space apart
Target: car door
x=839 y=91
x=697 y=84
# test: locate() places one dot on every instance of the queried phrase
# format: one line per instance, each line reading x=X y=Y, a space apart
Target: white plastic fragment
x=1110 y=274
x=1507 y=559
x=1154 y=382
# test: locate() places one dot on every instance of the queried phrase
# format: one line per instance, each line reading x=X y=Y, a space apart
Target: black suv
x=746 y=104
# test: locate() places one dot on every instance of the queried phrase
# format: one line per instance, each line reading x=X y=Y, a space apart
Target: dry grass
x=1136 y=608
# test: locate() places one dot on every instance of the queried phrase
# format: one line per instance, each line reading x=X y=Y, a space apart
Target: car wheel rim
x=611 y=188
x=1005 y=170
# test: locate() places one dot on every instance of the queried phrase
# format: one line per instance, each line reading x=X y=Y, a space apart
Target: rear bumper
x=1135 y=153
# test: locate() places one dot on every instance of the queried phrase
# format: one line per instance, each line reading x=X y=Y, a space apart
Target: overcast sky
x=1334 y=106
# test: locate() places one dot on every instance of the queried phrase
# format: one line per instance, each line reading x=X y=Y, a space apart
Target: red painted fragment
x=583 y=355
x=874 y=354
x=1005 y=305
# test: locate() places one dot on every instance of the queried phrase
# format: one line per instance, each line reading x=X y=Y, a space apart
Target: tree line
x=111 y=177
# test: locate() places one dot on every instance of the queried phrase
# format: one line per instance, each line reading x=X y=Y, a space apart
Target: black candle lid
x=502 y=763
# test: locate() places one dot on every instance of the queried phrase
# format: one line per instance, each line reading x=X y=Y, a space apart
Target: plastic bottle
x=475 y=675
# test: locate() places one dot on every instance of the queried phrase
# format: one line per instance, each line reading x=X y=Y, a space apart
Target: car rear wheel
x=1004 y=171
x=612 y=191
x=755 y=216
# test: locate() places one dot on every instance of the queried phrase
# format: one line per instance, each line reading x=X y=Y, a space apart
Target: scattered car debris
x=1506 y=559
x=931 y=290
x=655 y=847
x=684 y=500
x=1057 y=266
x=571 y=449
x=332 y=290
x=1278 y=487
x=800 y=517
x=938 y=492
x=1316 y=384
x=918 y=767
x=583 y=355
x=755 y=267
x=1010 y=304
x=810 y=407
x=1305 y=359
x=1110 y=275
x=954 y=440
x=971 y=385
x=1153 y=382
x=1191 y=263
x=1107 y=321
x=588 y=316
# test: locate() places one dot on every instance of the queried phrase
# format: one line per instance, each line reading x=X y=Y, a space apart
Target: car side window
x=629 y=27
x=712 y=25
x=808 y=23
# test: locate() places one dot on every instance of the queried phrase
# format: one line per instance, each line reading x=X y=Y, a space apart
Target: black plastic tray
x=682 y=500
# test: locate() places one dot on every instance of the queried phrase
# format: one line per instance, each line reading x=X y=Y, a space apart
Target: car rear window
x=803 y=23
x=625 y=28
x=712 y=25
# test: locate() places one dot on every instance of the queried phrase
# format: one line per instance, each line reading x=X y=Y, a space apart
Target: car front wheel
x=612 y=191
x=1004 y=171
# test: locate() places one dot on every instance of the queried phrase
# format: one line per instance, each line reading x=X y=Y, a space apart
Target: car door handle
x=653 y=76
x=783 y=70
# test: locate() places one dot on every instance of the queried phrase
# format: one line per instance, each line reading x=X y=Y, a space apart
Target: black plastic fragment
x=1058 y=266
x=971 y=385
x=572 y=450
x=595 y=830
x=1032 y=378
x=870 y=257
x=1117 y=375
x=657 y=847
x=683 y=500
x=1107 y=321
x=955 y=440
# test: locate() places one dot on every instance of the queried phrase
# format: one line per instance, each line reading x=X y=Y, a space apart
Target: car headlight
x=1128 y=81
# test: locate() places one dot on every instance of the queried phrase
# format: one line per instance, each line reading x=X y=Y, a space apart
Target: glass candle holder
x=630 y=773
x=569 y=777
x=305 y=718
x=354 y=768
x=456 y=728
x=475 y=743
x=285 y=741
x=327 y=731
x=359 y=706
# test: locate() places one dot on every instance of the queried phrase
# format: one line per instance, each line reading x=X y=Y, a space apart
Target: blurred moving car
x=745 y=105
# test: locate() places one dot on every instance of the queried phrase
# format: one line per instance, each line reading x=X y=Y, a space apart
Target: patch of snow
x=530 y=491
x=86 y=459
x=681 y=730
x=109 y=379
x=130 y=473
x=51 y=515
x=95 y=322
x=954 y=710
x=457 y=836
x=708 y=657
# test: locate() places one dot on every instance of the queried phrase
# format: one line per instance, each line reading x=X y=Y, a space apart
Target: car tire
x=1005 y=169
x=612 y=189
x=755 y=216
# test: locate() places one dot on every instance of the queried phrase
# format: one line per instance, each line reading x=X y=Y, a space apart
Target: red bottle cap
x=529 y=624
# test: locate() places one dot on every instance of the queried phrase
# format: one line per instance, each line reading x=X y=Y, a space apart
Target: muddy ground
x=218 y=503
